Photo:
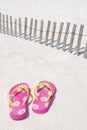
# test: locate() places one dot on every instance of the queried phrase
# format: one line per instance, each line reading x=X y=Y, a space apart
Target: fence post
x=85 y=53
x=25 y=27
x=20 y=29
x=53 y=33
x=30 y=30
x=41 y=31
x=7 y=30
x=3 y=23
x=15 y=27
x=47 y=32
x=66 y=36
x=11 y=26
x=79 y=39
x=35 y=29
x=72 y=37
x=59 y=35
x=0 y=23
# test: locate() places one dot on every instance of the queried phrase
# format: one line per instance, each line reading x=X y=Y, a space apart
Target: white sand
x=25 y=61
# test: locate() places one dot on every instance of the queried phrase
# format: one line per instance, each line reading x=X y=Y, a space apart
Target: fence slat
x=59 y=35
x=20 y=28
x=53 y=33
x=35 y=29
x=25 y=27
x=3 y=23
x=0 y=22
x=72 y=37
x=30 y=29
x=85 y=53
x=15 y=27
x=7 y=28
x=79 y=39
x=11 y=26
x=66 y=36
x=47 y=32
x=41 y=31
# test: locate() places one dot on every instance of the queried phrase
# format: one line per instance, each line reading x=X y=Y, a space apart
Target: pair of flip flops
x=19 y=95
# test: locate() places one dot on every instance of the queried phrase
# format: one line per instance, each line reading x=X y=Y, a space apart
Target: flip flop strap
x=44 y=84
x=23 y=87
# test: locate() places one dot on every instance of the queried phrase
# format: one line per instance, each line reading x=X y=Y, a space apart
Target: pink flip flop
x=18 y=101
x=44 y=94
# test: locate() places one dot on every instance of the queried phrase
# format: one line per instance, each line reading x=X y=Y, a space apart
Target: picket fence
x=48 y=33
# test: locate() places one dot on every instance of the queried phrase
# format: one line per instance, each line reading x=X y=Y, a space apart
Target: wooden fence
x=48 y=33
